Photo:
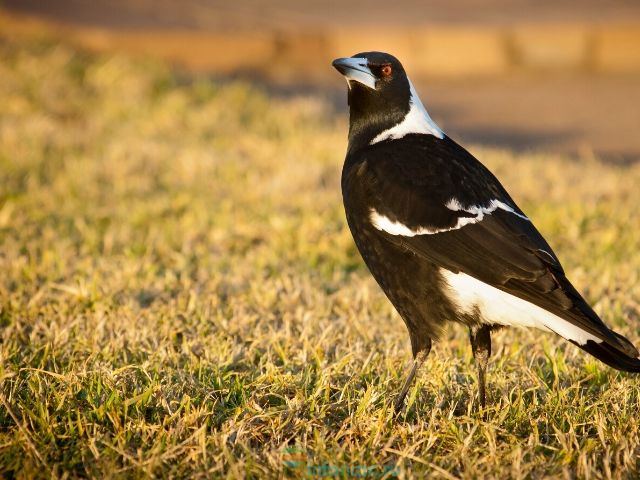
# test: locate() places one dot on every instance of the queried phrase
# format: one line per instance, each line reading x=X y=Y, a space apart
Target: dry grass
x=180 y=296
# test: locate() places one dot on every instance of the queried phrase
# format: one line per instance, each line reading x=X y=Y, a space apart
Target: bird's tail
x=612 y=348
x=620 y=354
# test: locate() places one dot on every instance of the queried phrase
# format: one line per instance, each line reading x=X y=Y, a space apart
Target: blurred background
x=180 y=295
x=557 y=76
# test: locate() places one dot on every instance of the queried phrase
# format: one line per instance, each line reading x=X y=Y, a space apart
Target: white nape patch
x=416 y=121
x=497 y=307
x=384 y=223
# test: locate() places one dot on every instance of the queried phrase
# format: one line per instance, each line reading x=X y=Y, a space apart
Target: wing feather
x=502 y=248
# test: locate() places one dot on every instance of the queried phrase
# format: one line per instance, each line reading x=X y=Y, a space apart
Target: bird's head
x=374 y=77
x=381 y=97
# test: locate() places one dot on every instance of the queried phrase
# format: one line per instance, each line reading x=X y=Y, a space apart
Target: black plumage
x=442 y=236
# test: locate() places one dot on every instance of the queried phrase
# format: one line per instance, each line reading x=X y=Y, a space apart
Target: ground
x=181 y=296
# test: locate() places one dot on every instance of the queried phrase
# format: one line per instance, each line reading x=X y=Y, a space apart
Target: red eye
x=386 y=70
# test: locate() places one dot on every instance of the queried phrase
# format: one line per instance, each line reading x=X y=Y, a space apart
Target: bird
x=441 y=235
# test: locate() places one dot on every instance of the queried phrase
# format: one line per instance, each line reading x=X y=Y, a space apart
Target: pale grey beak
x=355 y=69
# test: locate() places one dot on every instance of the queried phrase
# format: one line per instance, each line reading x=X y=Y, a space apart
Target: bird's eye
x=386 y=70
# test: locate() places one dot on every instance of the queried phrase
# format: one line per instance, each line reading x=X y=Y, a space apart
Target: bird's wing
x=437 y=201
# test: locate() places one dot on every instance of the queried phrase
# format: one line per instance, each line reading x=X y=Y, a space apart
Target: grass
x=180 y=296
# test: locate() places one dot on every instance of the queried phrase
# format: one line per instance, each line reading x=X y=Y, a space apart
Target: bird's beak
x=356 y=70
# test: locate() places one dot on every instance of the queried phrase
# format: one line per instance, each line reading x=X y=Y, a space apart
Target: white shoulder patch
x=416 y=121
x=481 y=211
x=385 y=224
x=470 y=295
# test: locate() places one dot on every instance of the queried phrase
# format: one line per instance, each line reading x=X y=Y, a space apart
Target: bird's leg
x=418 y=360
x=481 y=345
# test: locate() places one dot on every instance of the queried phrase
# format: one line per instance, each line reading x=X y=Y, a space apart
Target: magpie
x=441 y=235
